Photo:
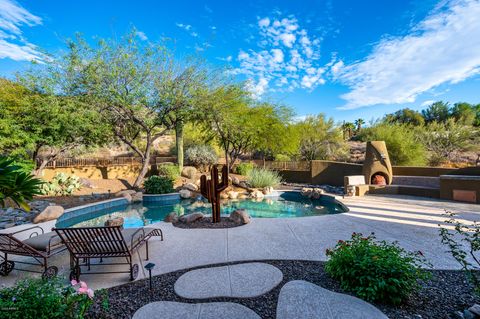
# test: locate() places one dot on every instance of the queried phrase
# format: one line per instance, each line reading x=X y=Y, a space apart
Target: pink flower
x=73 y=282
x=90 y=293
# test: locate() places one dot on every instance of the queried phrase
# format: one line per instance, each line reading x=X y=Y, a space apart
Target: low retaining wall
x=98 y=172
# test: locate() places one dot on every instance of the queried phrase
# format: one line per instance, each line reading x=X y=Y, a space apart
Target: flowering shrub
x=158 y=185
x=40 y=298
x=374 y=270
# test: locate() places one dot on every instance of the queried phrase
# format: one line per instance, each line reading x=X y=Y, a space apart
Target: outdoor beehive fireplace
x=377 y=168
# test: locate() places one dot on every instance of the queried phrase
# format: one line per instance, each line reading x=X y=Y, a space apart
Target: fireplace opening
x=379 y=179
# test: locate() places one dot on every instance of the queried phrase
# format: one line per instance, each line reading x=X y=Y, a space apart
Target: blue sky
x=347 y=59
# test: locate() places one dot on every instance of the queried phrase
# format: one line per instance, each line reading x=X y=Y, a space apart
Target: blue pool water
x=288 y=204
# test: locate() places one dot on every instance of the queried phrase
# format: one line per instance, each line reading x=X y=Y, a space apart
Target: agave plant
x=16 y=185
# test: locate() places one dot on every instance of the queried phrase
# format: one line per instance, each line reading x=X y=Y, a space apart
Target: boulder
x=185 y=193
x=242 y=196
x=118 y=221
x=189 y=172
x=223 y=195
x=191 y=187
x=232 y=194
x=235 y=180
x=190 y=218
x=257 y=194
x=137 y=197
x=171 y=218
x=128 y=197
x=50 y=213
x=267 y=190
x=85 y=182
x=317 y=193
x=307 y=192
x=126 y=191
x=240 y=216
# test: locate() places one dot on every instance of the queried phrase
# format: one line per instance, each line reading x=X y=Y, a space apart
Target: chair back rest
x=94 y=241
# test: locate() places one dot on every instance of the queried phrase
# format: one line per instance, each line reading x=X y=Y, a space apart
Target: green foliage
x=376 y=271
x=17 y=185
x=244 y=168
x=445 y=140
x=403 y=143
x=201 y=156
x=464 y=245
x=260 y=178
x=282 y=158
x=158 y=185
x=437 y=112
x=172 y=172
x=405 y=116
x=62 y=185
x=43 y=299
x=320 y=139
x=464 y=113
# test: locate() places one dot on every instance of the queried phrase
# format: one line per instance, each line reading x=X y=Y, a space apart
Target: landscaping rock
x=267 y=190
x=243 y=196
x=190 y=218
x=257 y=194
x=302 y=299
x=306 y=192
x=127 y=191
x=185 y=193
x=171 y=218
x=50 y=213
x=114 y=222
x=85 y=182
x=223 y=195
x=475 y=309
x=212 y=310
x=137 y=197
x=191 y=187
x=232 y=194
x=235 y=180
x=240 y=216
x=128 y=197
x=189 y=171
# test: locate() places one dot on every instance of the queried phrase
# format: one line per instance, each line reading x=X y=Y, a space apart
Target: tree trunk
x=145 y=164
x=39 y=170
x=179 y=143
x=226 y=159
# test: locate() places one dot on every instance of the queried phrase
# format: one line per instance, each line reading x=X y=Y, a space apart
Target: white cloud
x=427 y=103
x=189 y=29
x=12 y=44
x=142 y=35
x=286 y=57
x=443 y=48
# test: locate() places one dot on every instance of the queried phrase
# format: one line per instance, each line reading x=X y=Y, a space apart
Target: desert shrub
x=244 y=168
x=158 y=185
x=189 y=172
x=376 y=271
x=403 y=142
x=462 y=242
x=62 y=185
x=201 y=156
x=170 y=171
x=40 y=298
x=260 y=178
x=282 y=158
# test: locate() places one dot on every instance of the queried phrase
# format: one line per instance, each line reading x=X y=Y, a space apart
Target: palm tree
x=358 y=124
x=348 y=127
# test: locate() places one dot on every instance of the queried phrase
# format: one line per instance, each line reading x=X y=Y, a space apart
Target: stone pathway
x=177 y=310
x=302 y=299
x=241 y=280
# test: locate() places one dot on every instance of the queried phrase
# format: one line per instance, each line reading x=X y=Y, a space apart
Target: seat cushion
x=40 y=242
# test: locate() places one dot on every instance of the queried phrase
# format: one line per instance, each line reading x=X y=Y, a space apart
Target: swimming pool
x=285 y=205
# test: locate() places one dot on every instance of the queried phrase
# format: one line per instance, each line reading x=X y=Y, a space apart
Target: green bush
x=40 y=298
x=244 y=168
x=201 y=156
x=170 y=171
x=404 y=144
x=376 y=271
x=260 y=178
x=158 y=185
x=282 y=158
x=62 y=185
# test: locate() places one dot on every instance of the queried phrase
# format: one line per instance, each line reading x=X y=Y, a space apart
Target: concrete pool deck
x=411 y=221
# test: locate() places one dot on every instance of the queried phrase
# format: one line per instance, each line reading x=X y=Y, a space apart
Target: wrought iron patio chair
x=86 y=243
x=40 y=246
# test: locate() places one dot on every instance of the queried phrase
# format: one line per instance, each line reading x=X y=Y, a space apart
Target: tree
x=445 y=140
x=358 y=124
x=437 y=112
x=123 y=81
x=463 y=113
x=320 y=139
x=405 y=116
x=42 y=122
x=347 y=129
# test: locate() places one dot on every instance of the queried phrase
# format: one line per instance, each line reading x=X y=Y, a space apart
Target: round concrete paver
x=175 y=310
x=240 y=280
x=302 y=299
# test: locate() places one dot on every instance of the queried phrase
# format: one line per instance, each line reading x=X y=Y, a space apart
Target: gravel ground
x=445 y=293
x=206 y=222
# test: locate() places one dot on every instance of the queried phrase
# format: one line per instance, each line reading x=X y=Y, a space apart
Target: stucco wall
x=96 y=172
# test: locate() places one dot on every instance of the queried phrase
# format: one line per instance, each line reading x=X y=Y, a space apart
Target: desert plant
x=170 y=171
x=376 y=271
x=201 y=156
x=454 y=240
x=404 y=144
x=282 y=158
x=17 y=185
x=158 y=185
x=260 y=178
x=62 y=185
x=244 y=168
x=40 y=298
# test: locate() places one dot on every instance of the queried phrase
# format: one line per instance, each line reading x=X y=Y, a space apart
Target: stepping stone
x=241 y=281
x=175 y=310
x=302 y=299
